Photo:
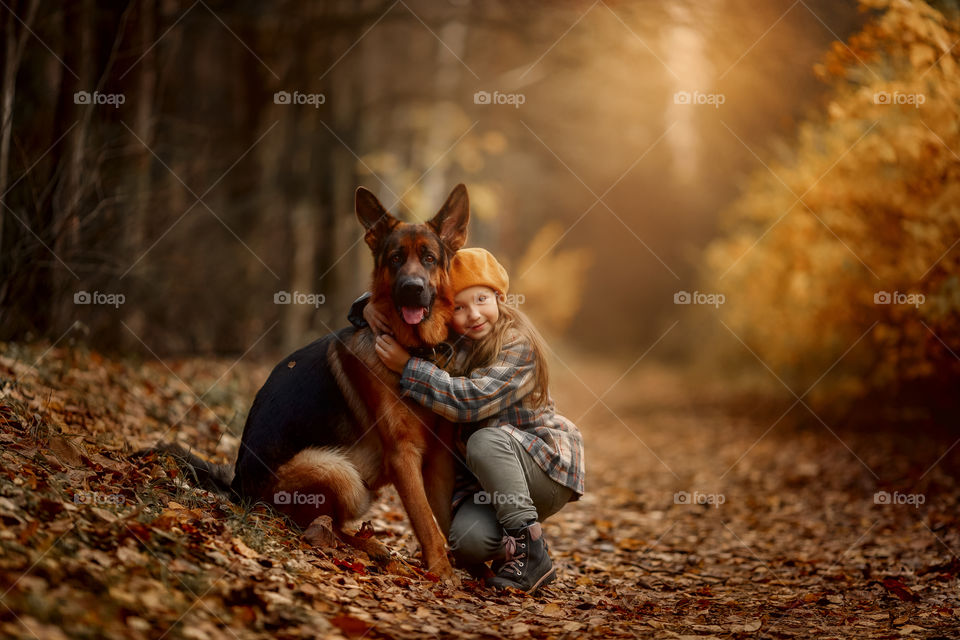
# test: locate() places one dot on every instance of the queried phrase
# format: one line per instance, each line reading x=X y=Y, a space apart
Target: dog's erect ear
x=450 y=223
x=373 y=217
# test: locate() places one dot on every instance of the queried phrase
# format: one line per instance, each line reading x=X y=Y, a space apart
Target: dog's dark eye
x=396 y=259
x=429 y=258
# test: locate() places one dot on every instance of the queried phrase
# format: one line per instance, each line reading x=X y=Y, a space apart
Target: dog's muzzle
x=413 y=299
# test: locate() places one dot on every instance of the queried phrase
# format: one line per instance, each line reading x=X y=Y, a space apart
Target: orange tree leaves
x=858 y=223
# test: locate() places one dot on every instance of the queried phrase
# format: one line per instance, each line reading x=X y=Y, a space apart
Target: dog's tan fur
x=401 y=444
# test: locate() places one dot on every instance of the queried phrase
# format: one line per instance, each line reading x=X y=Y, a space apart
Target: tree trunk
x=441 y=133
x=353 y=111
x=13 y=53
x=79 y=55
x=303 y=226
x=143 y=124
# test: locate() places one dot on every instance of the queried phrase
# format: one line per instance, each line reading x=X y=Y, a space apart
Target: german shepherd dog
x=328 y=428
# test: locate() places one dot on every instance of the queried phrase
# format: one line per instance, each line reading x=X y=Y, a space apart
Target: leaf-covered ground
x=699 y=522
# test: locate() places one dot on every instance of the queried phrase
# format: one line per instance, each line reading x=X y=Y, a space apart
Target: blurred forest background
x=197 y=158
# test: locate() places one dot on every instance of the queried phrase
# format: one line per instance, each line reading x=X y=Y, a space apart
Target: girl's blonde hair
x=512 y=323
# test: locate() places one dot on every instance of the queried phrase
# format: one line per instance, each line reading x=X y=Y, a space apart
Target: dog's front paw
x=320 y=533
x=444 y=570
x=453 y=582
x=450 y=579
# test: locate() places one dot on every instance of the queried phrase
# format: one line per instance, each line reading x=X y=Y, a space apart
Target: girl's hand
x=391 y=353
x=377 y=321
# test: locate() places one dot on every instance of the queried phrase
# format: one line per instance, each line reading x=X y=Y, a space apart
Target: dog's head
x=411 y=281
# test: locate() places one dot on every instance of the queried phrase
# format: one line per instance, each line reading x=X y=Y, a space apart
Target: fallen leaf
x=240 y=547
x=351 y=626
x=897 y=588
x=911 y=629
x=65 y=450
x=356 y=567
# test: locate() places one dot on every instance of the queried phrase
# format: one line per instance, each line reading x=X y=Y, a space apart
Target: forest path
x=696 y=522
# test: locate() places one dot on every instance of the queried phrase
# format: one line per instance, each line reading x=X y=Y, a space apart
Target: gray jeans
x=516 y=492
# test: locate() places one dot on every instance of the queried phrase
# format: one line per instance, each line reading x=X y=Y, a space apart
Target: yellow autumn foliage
x=549 y=282
x=843 y=256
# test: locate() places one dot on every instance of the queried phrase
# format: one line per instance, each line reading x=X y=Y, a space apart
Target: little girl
x=528 y=460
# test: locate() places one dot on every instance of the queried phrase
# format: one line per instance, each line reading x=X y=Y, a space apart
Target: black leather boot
x=527 y=566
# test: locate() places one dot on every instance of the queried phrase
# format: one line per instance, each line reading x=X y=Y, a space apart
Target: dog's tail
x=321 y=481
x=206 y=475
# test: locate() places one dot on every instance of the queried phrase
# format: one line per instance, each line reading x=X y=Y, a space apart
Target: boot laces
x=514 y=560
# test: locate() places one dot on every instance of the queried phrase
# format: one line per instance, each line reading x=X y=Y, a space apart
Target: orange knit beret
x=475 y=266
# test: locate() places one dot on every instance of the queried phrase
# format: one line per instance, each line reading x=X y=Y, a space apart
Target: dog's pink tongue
x=413 y=315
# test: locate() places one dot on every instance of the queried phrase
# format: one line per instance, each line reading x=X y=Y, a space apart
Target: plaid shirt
x=499 y=396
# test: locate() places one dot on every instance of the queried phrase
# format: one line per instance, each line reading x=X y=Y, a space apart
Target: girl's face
x=475 y=311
